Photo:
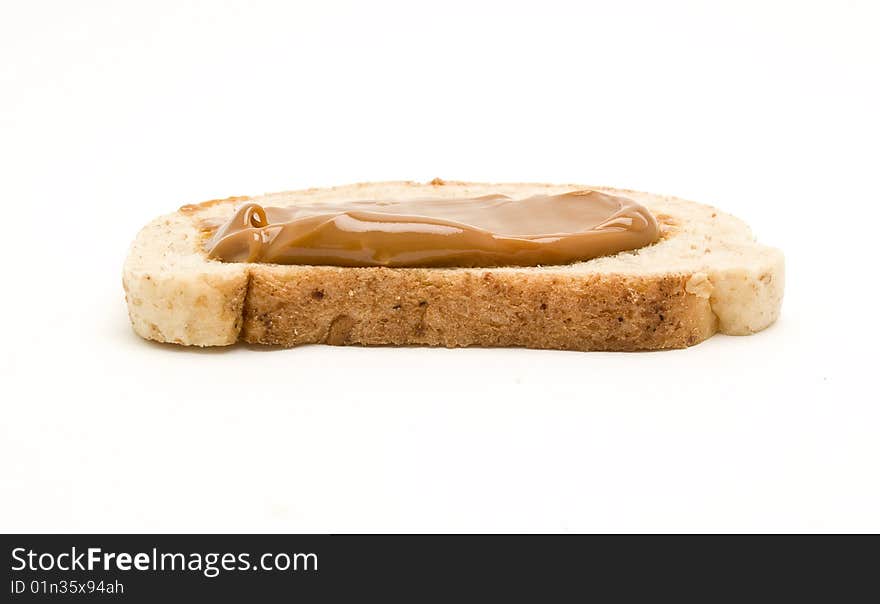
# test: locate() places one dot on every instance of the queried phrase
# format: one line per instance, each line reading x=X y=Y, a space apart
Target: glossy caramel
x=494 y=230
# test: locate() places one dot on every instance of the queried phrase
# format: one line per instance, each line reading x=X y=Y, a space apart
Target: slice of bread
x=706 y=274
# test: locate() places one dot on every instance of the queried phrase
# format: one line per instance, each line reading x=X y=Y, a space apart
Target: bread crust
x=631 y=301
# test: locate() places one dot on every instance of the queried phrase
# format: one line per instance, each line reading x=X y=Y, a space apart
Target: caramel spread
x=494 y=230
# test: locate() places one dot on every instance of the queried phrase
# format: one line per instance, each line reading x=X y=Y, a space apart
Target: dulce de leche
x=494 y=230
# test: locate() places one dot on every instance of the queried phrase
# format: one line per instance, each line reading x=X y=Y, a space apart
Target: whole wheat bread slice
x=706 y=274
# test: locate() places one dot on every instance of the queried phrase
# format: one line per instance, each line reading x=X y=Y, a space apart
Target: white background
x=112 y=113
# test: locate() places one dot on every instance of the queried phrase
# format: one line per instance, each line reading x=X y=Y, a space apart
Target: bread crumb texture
x=705 y=275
